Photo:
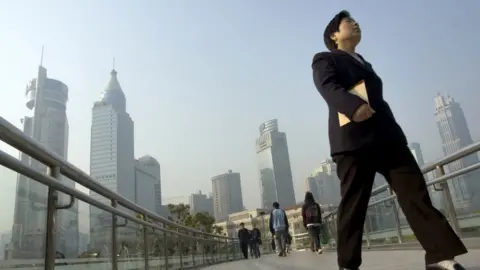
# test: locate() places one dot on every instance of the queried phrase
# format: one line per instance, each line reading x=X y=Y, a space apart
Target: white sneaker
x=445 y=265
x=320 y=251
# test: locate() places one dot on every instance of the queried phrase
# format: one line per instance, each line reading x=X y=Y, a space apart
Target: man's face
x=349 y=30
x=242 y=226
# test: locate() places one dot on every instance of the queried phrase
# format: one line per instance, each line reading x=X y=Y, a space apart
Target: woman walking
x=312 y=220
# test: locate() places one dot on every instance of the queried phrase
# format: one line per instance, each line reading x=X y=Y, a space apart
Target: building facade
x=47 y=98
x=328 y=184
x=147 y=184
x=112 y=159
x=200 y=203
x=276 y=183
x=226 y=195
x=454 y=134
x=311 y=185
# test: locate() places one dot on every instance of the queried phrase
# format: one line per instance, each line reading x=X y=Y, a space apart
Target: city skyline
x=199 y=120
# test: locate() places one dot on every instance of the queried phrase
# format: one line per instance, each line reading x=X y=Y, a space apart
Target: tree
x=217 y=230
x=180 y=212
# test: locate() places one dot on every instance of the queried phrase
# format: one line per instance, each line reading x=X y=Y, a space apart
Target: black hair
x=276 y=205
x=242 y=224
x=309 y=199
x=332 y=28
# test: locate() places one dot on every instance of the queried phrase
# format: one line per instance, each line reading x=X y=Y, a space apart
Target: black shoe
x=445 y=265
x=344 y=268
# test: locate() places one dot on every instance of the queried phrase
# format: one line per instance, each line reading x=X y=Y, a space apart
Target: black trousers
x=244 y=248
x=314 y=232
x=357 y=170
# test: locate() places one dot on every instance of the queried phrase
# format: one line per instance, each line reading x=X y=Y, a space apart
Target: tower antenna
x=41 y=57
x=114 y=63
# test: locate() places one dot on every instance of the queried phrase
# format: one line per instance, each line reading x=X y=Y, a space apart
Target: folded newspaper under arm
x=359 y=90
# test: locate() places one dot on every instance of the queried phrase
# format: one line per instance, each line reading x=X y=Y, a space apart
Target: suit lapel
x=365 y=66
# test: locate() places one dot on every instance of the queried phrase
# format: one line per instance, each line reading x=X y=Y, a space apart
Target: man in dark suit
x=373 y=142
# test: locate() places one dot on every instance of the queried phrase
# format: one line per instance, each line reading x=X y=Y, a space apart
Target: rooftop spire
x=41 y=57
x=113 y=93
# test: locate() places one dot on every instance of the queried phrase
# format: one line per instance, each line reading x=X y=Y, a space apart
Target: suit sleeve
x=325 y=78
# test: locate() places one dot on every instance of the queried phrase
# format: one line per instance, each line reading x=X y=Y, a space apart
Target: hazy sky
x=200 y=76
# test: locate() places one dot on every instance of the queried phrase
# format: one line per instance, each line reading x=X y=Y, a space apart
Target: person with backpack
x=255 y=242
x=312 y=220
x=279 y=228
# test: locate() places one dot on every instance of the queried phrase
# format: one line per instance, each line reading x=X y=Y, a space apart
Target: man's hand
x=363 y=113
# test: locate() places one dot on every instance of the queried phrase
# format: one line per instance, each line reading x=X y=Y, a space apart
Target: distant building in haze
x=112 y=161
x=47 y=98
x=455 y=135
x=147 y=184
x=200 y=203
x=276 y=181
x=226 y=195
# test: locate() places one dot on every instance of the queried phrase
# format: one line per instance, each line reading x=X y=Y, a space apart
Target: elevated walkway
x=372 y=260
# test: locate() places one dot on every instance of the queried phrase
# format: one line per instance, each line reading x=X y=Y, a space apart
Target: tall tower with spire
x=111 y=154
x=48 y=124
x=454 y=134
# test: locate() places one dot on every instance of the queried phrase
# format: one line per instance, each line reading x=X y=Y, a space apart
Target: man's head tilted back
x=342 y=28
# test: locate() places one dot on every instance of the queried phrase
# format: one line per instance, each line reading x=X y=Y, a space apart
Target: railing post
x=396 y=218
x=145 y=243
x=194 y=248
x=114 y=238
x=451 y=213
x=180 y=246
x=204 y=255
x=50 y=245
x=366 y=229
x=165 y=244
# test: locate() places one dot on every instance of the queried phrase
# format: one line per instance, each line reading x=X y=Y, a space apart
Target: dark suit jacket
x=335 y=72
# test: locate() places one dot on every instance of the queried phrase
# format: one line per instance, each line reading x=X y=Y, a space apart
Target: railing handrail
x=25 y=144
x=468 y=150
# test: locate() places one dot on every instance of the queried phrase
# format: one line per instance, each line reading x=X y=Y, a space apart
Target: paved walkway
x=372 y=260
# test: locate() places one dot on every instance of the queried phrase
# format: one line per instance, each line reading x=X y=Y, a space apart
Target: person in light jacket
x=279 y=228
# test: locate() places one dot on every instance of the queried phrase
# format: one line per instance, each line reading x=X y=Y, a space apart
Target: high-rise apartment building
x=328 y=184
x=48 y=125
x=276 y=183
x=147 y=184
x=311 y=185
x=200 y=203
x=226 y=195
x=455 y=134
x=112 y=161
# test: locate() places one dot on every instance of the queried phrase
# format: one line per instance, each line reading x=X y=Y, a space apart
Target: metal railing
x=439 y=184
x=180 y=246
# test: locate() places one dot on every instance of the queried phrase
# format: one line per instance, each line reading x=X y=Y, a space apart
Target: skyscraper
x=311 y=185
x=200 y=203
x=328 y=184
x=47 y=98
x=147 y=184
x=226 y=195
x=111 y=154
x=455 y=134
x=274 y=164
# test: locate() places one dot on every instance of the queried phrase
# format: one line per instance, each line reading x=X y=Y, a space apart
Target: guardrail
x=439 y=184
x=198 y=244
